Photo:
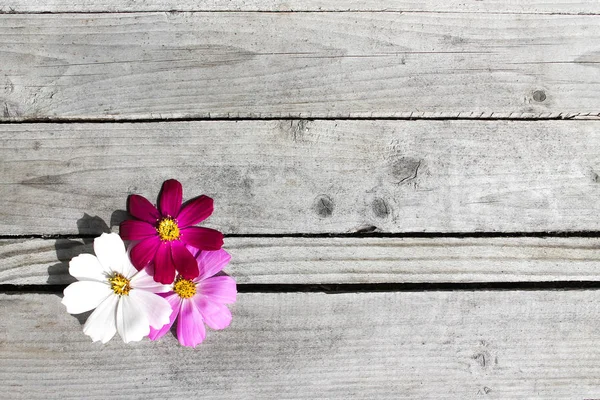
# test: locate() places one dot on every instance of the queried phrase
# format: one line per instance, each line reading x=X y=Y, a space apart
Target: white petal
x=102 y=323
x=110 y=250
x=132 y=323
x=83 y=296
x=128 y=269
x=143 y=281
x=86 y=267
x=157 y=309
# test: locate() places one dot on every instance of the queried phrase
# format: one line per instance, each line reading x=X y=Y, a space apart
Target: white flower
x=124 y=299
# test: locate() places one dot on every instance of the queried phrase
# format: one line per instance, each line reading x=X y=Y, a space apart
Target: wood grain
x=436 y=345
x=307 y=176
x=309 y=65
x=346 y=260
x=489 y=6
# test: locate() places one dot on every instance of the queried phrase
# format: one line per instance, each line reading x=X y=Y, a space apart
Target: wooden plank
x=329 y=65
x=435 y=345
x=489 y=6
x=346 y=260
x=308 y=176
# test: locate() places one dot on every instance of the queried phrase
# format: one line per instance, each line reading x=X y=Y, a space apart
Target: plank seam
x=410 y=117
x=425 y=235
x=341 y=288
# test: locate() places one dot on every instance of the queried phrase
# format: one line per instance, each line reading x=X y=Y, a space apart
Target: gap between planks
x=369 y=232
x=352 y=264
x=430 y=116
x=340 y=288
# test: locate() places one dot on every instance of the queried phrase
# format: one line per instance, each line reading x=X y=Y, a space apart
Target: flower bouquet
x=170 y=270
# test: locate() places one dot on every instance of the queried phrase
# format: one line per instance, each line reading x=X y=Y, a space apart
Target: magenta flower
x=200 y=300
x=164 y=233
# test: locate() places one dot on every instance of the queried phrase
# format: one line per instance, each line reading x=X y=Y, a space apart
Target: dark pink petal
x=141 y=208
x=211 y=262
x=184 y=261
x=202 y=238
x=220 y=289
x=175 y=303
x=136 y=230
x=164 y=268
x=190 y=328
x=216 y=316
x=195 y=211
x=143 y=252
x=170 y=198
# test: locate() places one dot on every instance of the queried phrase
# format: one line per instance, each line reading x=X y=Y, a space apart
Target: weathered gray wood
x=308 y=176
x=489 y=6
x=346 y=260
x=181 y=65
x=435 y=345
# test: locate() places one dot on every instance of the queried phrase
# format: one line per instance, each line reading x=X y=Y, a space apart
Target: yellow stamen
x=168 y=229
x=184 y=288
x=119 y=284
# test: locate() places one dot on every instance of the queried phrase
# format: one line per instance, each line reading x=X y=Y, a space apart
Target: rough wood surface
x=106 y=60
x=436 y=345
x=347 y=260
x=235 y=64
x=308 y=176
x=489 y=6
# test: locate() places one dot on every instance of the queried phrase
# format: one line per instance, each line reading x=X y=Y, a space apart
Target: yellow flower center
x=119 y=284
x=184 y=288
x=167 y=229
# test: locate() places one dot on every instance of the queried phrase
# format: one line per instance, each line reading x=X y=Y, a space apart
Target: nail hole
x=539 y=95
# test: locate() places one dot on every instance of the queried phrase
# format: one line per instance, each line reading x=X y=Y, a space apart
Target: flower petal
x=102 y=323
x=83 y=296
x=195 y=211
x=192 y=249
x=128 y=269
x=156 y=308
x=202 y=238
x=211 y=262
x=175 y=303
x=215 y=315
x=144 y=281
x=86 y=267
x=132 y=322
x=132 y=229
x=220 y=289
x=142 y=209
x=184 y=261
x=164 y=268
x=110 y=250
x=190 y=328
x=169 y=201
x=142 y=253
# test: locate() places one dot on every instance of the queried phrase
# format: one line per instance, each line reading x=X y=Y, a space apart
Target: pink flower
x=164 y=233
x=200 y=300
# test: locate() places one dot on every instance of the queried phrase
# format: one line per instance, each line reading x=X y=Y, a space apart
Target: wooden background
x=410 y=191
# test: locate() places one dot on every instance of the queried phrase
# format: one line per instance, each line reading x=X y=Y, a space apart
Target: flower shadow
x=66 y=249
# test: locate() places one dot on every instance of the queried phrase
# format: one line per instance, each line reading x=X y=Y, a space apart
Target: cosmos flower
x=200 y=300
x=124 y=299
x=164 y=232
